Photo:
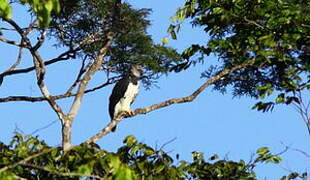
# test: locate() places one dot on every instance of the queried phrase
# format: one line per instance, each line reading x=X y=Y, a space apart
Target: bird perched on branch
x=125 y=92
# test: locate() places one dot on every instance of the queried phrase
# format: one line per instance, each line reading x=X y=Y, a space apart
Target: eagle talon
x=128 y=113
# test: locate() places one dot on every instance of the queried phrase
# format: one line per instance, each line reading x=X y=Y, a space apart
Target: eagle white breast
x=129 y=96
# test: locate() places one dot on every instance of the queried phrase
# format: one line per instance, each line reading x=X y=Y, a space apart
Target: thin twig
x=249 y=21
x=10 y=42
x=18 y=60
x=44 y=127
x=302 y=109
x=40 y=42
x=166 y=143
x=78 y=78
x=297 y=150
x=253 y=22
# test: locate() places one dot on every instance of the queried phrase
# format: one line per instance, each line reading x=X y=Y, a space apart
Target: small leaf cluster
x=5 y=9
x=43 y=9
x=132 y=161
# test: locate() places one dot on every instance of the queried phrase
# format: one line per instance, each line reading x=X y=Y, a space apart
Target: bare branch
x=303 y=109
x=18 y=60
x=64 y=56
x=7 y=29
x=297 y=150
x=166 y=143
x=78 y=78
x=106 y=129
x=41 y=40
x=169 y=102
x=11 y=42
x=81 y=89
x=39 y=66
x=302 y=152
x=89 y=74
x=62 y=96
x=42 y=128
x=40 y=72
x=21 y=32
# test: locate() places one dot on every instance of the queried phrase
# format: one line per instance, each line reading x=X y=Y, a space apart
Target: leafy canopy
x=87 y=22
x=132 y=161
x=272 y=34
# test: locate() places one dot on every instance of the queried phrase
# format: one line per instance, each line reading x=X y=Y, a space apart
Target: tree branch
x=39 y=67
x=11 y=42
x=64 y=56
x=169 y=102
x=303 y=109
x=62 y=96
x=89 y=74
x=78 y=78
x=40 y=73
x=17 y=62
x=81 y=89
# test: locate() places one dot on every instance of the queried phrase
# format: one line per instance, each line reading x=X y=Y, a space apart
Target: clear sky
x=212 y=124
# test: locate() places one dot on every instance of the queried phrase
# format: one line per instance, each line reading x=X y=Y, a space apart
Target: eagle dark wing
x=118 y=92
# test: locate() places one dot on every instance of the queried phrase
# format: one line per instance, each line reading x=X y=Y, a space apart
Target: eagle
x=125 y=92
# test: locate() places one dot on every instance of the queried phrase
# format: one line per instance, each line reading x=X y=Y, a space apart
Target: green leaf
x=276 y=159
x=49 y=6
x=124 y=173
x=7 y=176
x=296 y=36
x=280 y=98
x=130 y=141
x=43 y=10
x=5 y=9
x=85 y=169
x=214 y=157
x=293 y=175
x=165 y=41
x=115 y=162
x=217 y=10
x=159 y=168
x=262 y=151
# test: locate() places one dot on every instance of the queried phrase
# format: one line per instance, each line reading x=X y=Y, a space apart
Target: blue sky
x=212 y=124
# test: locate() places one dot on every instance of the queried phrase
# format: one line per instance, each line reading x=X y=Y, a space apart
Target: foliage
x=5 y=9
x=134 y=160
x=273 y=35
x=91 y=20
x=42 y=9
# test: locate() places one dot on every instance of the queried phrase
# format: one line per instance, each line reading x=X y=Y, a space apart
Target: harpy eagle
x=124 y=92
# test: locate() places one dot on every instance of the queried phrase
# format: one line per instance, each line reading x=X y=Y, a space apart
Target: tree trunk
x=66 y=134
